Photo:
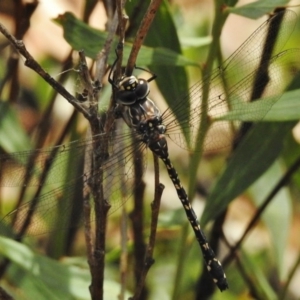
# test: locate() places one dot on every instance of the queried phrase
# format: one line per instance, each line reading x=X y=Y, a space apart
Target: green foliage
x=40 y=277
x=257 y=9
x=252 y=171
x=262 y=145
x=48 y=279
x=83 y=37
x=12 y=135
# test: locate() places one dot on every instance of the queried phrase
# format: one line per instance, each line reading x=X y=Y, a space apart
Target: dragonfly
x=151 y=128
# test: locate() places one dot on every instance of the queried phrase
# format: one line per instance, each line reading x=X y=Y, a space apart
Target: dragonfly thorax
x=131 y=90
x=141 y=112
x=145 y=118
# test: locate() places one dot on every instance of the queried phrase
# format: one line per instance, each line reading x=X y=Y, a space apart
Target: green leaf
x=195 y=41
x=261 y=147
x=40 y=277
x=230 y=2
x=253 y=268
x=291 y=153
x=257 y=9
x=13 y=138
x=285 y=109
x=49 y=277
x=278 y=215
x=81 y=36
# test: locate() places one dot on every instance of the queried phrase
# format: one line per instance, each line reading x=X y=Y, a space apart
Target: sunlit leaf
x=83 y=37
x=12 y=135
x=257 y=9
x=278 y=214
x=48 y=276
x=262 y=287
x=285 y=109
x=261 y=147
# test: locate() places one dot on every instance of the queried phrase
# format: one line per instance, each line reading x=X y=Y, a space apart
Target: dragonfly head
x=131 y=90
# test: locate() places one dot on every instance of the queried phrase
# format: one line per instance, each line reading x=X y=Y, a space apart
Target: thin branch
x=124 y=255
x=102 y=56
x=148 y=260
x=290 y=277
x=22 y=14
x=87 y=228
x=97 y=254
x=141 y=34
x=100 y=148
x=31 y=63
x=137 y=216
x=281 y=183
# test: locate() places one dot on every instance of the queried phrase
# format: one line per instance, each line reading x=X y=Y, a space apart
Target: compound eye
x=126 y=97
x=142 y=90
x=128 y=83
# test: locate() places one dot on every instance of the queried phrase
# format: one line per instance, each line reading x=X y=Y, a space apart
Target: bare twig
x=291 y=275
x=22 y=13
x=96 y=260
x=148 y=260
x=102 y=56
x=155 y=205
x=87 y=228
x=137 y=216
x=141 y=34
x=281 y=183
x=31 y=63
x=124 y=255
x=100 y=146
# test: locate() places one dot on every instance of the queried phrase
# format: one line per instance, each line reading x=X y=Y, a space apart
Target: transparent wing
x=117 y=175
x=16 y=164
x=238 y=72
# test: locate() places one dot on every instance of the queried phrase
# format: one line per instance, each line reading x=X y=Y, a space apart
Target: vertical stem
x=137 y=217
x=219 y=20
